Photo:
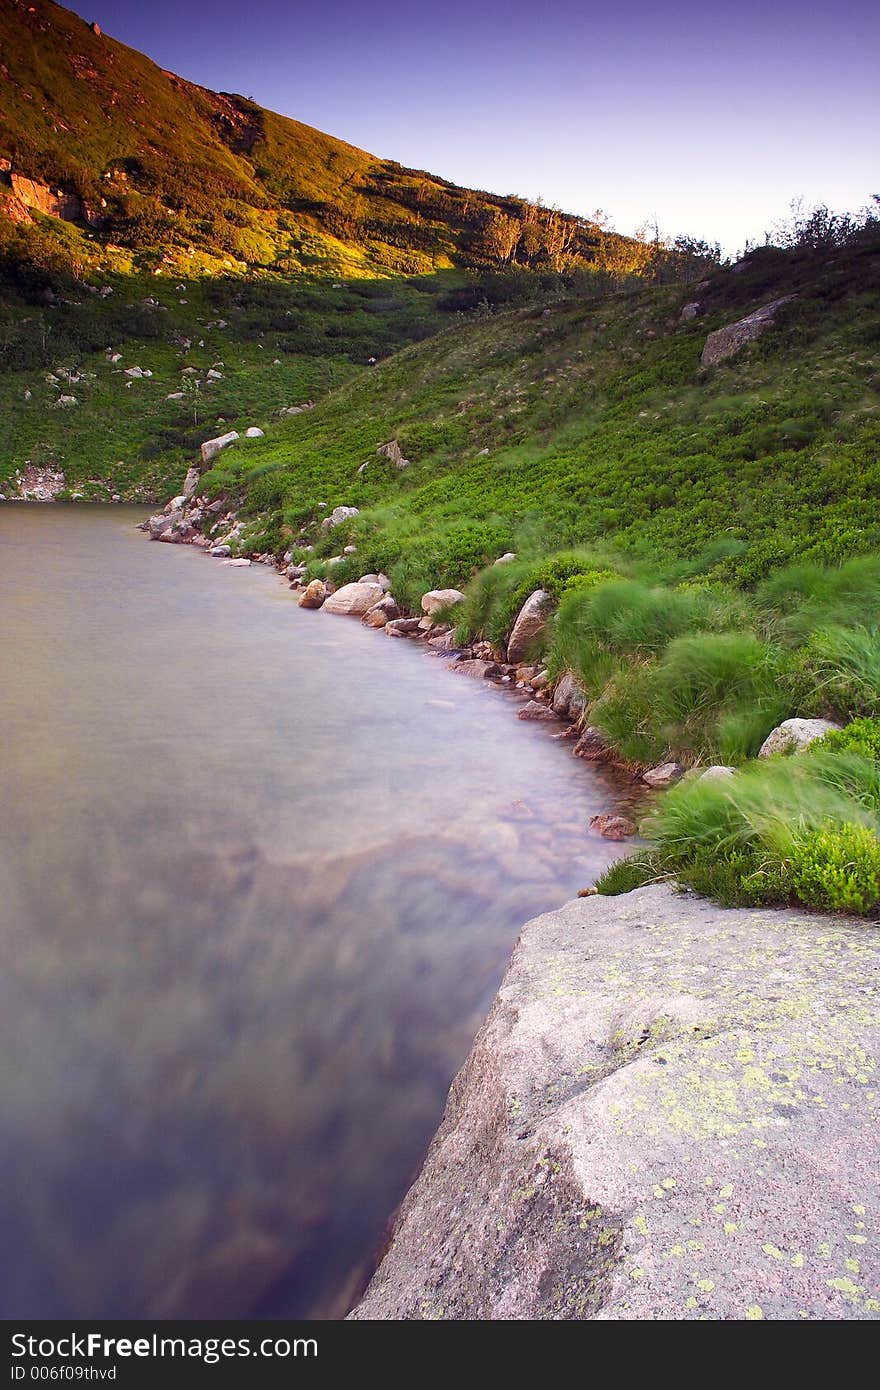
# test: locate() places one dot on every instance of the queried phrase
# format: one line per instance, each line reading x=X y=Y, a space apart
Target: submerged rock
x=612 y=827
x=536 y=710
x=669 y=1113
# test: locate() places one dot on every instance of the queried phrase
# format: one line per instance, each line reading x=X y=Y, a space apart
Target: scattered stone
x=338 y=515
x=212 y=375
x=716 y=773
x=612 y=827
x=175 y=396
x=402 y=627
x=540 y=681
x=314 y=594
x=724 y=342
x=220 y=551
x=212 y=447
x=690 y=311
x=529 y=626
x=253 y=433
x=240 y=563
x=794 y=735
x=436 y=599
x=349 y=550
x=664 y=775
x=446 y=643
x=506 y=558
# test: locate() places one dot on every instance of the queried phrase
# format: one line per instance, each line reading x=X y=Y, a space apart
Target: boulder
x=669 y=1114
x=240 y=563
x=314 y=594
x=212 y=447
x=717 y=773
x=353 y=600
x=529 y=626
x=690 y=311
x=338 y=515
x=724 y=342
x=664 y=775
x=569 y=701
x=794 y=735
x=436 y=599
x=220 y=551
x=158 y=525
x=254 y=433
x=506 y=559
x=446 y=643
x=535 y=710
x=612 y=827
x=402 y=627
x=592 y=745
x=393 y=452
x=382 y=613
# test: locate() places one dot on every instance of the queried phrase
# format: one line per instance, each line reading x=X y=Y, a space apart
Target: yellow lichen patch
x=846 y=1286
x=754 y=1312
x=730 y=1227
x=773 y=1251
x=853 y=1266
x=727 y=1190
x=797 y=1261
x=705 y=1285
x=640 y=1225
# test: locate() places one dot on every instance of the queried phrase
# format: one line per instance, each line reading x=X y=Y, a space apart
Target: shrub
x=803 y=829
x=861 y=736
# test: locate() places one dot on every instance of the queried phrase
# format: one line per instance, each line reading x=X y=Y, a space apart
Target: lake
x=260 y=873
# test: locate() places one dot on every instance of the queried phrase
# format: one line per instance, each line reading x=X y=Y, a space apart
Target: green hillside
x=164 y=175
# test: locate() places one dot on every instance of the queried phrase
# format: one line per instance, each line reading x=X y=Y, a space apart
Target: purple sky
x=710 y=117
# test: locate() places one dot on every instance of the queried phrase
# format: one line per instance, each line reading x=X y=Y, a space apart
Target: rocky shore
x=670 y=1113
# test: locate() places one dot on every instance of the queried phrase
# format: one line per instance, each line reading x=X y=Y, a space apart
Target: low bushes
x=800 y=830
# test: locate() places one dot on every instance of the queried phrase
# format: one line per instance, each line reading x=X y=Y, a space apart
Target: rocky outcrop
x=354 y=600
x=393 y=453
x=338 y=515
x=212 y=447
x=794 y=735
x=670 y=1113
x=724 y=342
x=529 y=626
x=40 y=484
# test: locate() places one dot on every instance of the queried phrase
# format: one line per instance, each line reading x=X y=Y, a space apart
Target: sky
x=708 y=119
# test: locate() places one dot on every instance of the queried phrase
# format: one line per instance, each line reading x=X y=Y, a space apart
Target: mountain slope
x=165 y=173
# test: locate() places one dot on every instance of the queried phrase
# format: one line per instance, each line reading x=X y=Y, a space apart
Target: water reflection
x=258 y=885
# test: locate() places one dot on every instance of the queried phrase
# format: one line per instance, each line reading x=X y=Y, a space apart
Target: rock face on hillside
x=724 y=342
x=670 y=1112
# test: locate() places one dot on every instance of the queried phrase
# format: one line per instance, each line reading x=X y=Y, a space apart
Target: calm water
x=260 y=873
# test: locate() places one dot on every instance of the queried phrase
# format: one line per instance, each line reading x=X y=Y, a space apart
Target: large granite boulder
x=354 y=600
x=529 y=626
x=724 y=342
x=670 y=1113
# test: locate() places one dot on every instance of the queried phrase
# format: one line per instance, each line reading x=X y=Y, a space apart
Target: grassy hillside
x=174 y=178
x=585 y=418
